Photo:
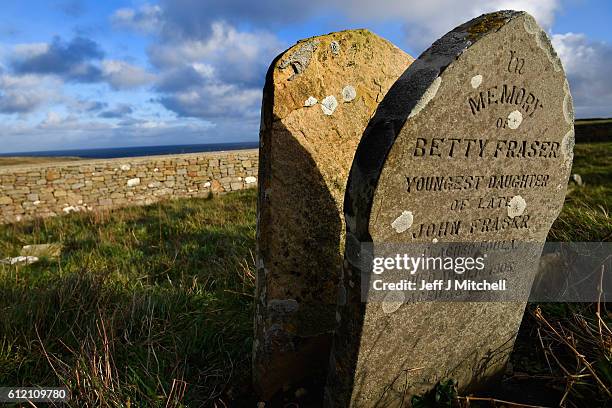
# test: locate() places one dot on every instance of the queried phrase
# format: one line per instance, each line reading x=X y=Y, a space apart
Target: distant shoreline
x=587 y=130
x=119 y=152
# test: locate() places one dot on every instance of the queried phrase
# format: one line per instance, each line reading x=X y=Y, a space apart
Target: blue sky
x=86 y=74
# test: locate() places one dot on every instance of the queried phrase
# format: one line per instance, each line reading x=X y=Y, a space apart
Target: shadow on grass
x=143 y=303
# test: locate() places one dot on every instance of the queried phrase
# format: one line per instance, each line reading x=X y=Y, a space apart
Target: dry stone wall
x=53 y=189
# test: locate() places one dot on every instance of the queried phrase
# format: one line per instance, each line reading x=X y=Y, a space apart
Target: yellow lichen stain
x=493 y=21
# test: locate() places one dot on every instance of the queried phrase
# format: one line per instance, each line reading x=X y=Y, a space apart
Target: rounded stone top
x=476 y=134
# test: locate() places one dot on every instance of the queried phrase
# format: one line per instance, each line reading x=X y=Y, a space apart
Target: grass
x=586 y=213
x=564 y=350
x=592 y=121
x=152 y=306
x=23 y=160
x=143 y=302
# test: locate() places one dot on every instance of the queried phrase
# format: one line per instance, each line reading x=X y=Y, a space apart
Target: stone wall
x=31 y=191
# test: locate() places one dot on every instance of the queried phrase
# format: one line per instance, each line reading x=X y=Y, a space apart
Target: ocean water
x=109 y=153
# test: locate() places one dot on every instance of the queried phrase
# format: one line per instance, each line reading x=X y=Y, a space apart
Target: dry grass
x=152 y=307
x=146 y=306
x=24 y=160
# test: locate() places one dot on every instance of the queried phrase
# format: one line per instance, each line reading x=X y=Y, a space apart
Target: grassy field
x=152 y=306
x=23 y=160
x=141 y=302
x=592 y=121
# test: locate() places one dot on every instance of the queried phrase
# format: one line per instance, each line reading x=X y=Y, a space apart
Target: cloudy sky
x=86 y=74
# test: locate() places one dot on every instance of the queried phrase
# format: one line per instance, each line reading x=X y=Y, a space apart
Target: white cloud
x=59 y=131
x=122 y=75
x=25 y=51
x=52 y=119
x=426 y=21
x=215 y=101
x=25 y=93
x=207 y=65
x=219 y=76
x=147 y=18
x=235 y=55
x=587 y=64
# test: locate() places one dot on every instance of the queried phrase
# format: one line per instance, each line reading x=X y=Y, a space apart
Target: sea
x=114 y=152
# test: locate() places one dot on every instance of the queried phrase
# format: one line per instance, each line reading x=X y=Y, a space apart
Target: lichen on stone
x=488 y=23
x=300 y=58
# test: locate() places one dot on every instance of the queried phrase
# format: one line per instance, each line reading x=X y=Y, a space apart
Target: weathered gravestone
x=472 y=144
x=318 y=98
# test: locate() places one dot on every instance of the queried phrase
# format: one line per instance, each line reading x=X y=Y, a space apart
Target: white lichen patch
x=311 y=101
x=329 y=104
x=392 y=301
x=568 y=105
x=516 y=206
x=348 y=93
x=544 y=43
x=133 y=182
x=403 y=222
x=567 y=147
x=429 y=94
x=250 y=179
x=530 y=24
x=476 y=81
x=515 y=118
x=125 y=167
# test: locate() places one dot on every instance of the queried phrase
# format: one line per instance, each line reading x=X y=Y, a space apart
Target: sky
x=80 y=74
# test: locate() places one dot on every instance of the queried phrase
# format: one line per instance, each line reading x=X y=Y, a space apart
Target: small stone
x=335 y=47
x=42 y=250
x=52 y=175
x=19 y=260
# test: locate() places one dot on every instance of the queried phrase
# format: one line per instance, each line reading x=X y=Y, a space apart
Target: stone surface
x=43 y=190
x=488 y=99
x=19 y=260
x=309 y=132
x=52 y=250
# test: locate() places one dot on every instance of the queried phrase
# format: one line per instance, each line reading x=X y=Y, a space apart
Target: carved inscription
x=486 y=191
x=456 y=147
x=516 y=64
x=505 y=94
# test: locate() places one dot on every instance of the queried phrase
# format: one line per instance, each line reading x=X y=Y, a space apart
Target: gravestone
x=472 y=144
x=318 y=98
